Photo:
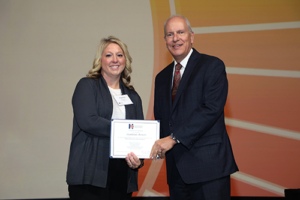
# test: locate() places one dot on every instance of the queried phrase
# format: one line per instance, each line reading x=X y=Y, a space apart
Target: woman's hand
x=133 y=161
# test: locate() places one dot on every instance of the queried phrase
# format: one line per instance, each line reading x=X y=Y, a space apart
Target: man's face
x=178 y=38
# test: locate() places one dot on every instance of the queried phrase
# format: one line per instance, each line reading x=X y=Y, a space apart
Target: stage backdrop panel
x=259 y=41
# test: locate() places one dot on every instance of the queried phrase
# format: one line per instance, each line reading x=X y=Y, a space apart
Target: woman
x=91 y=173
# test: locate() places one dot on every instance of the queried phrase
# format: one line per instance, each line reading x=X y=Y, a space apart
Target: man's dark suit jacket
x=196 y=118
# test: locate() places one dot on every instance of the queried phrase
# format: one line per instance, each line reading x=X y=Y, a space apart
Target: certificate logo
x=131 y=126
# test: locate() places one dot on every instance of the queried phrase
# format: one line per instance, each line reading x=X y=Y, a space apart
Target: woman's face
x=113 y=61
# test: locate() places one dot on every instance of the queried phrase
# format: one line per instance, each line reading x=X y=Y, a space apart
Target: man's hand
x=161 y=146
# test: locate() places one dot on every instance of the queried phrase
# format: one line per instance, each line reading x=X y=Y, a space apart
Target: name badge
x=123 y=100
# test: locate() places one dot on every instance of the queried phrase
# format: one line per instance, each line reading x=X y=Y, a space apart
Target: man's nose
x=175 y=38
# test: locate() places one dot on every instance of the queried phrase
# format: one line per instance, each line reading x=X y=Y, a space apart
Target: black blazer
x=89 y=151
x=196 y=118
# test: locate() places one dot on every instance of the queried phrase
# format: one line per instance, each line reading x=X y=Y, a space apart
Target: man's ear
x=192 y=37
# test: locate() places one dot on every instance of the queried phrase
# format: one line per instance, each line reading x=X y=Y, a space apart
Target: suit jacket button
x=170 y=124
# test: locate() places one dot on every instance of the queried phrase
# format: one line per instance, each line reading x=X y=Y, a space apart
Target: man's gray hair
x=186 y=20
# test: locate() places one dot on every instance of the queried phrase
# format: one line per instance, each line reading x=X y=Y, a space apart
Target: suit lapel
x=186 y=75
x=168 y=84
x=105 y=97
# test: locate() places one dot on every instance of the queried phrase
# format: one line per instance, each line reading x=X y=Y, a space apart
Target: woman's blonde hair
x=96 y=70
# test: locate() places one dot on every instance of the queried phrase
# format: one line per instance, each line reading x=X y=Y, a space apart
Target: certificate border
x=130 y=121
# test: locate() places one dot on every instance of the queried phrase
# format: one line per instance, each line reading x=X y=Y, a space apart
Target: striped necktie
x=176 y=80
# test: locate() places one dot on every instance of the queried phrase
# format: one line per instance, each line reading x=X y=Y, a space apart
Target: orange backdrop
x=259 y=41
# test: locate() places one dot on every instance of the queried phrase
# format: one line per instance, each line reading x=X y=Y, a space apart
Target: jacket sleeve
x=85 y=109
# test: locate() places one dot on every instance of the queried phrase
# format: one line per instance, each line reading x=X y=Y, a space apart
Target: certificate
x=137 y=136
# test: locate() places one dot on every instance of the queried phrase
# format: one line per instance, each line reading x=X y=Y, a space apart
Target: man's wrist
x=174 y=138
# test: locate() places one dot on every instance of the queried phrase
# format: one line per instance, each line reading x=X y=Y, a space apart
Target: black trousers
x=89 y=192
x=116 y=188
x=218 y=189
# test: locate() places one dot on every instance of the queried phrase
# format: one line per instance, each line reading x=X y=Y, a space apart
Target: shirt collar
x=185 y=60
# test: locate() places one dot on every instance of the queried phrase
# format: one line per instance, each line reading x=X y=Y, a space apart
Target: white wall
x=45 y=48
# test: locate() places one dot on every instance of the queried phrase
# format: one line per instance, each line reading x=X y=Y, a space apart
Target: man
x=189 y=102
